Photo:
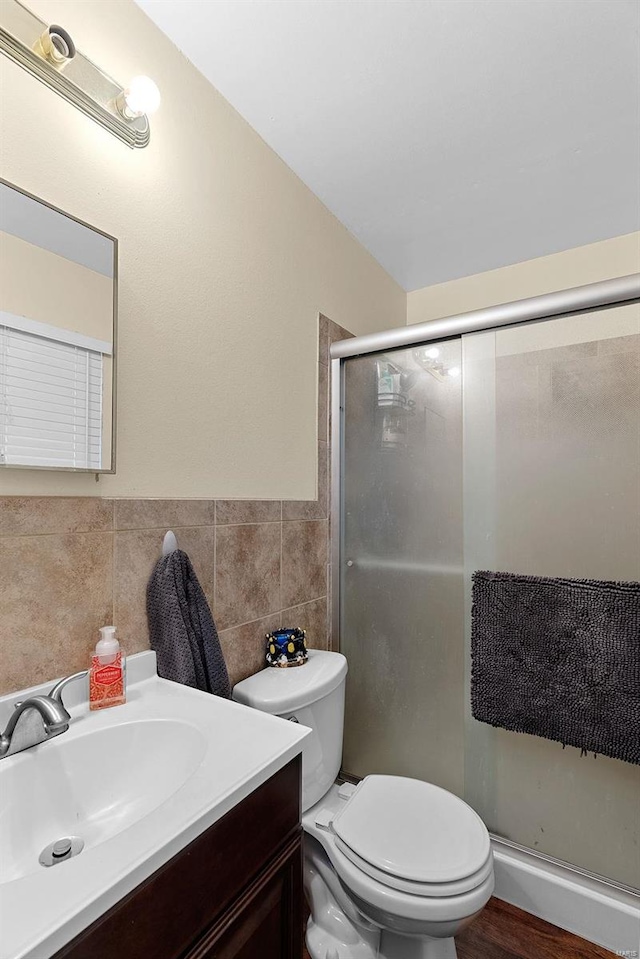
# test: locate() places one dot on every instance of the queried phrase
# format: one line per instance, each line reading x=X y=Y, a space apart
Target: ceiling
x=449 y=136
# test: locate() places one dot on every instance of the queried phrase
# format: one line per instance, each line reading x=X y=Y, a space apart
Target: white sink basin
x=137 y=783
x=92 y=786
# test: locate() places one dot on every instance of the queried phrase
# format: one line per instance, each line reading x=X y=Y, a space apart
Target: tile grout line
x=164 y=526
x=281 y=543
x=215 y=561
x=113 y=562
x=65 y=532
x=276 y=612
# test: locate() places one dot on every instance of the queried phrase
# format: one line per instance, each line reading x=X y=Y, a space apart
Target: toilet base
x=336 y=929
x=330 y=944
x=323 y=943
x=393 y=946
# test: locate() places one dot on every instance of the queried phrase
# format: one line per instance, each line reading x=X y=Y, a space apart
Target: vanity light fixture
x=56 y=45
x=141 y=98
x=50 y=54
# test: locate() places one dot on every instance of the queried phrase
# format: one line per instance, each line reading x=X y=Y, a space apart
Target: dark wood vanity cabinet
x=234 y=893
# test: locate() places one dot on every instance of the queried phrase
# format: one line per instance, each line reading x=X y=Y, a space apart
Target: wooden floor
x=503 y=932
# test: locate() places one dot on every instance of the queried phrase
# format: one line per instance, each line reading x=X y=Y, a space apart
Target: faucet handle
x=56 y=691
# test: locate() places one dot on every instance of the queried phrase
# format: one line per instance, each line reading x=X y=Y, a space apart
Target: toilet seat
x=418 y=888
x=402 y=909
x=378 y=900
x=414 y=837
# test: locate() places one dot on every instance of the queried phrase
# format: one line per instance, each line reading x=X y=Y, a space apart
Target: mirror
x=58 y=290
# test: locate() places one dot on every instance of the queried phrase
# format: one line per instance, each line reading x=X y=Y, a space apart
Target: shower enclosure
x=507 y=439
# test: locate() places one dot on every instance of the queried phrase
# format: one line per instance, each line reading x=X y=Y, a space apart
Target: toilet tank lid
x=279 y=690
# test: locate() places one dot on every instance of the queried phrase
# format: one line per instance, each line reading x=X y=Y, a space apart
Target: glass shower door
x=552 y=488
x=513 y=450
x=402 y=590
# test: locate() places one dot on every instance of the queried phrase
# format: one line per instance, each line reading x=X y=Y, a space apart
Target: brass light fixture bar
x=49 y=53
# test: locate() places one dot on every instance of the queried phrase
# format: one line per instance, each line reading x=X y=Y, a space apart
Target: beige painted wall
x=546 y=274
x=43 y=286
x=226 y=259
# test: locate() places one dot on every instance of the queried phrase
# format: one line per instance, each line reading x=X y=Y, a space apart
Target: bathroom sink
x=92 y=786
x=136 y=783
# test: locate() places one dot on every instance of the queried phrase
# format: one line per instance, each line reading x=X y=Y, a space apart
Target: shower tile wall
x=568 y=446
x=70 y=565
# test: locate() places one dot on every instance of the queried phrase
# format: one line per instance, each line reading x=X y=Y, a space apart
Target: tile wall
x=70 y=565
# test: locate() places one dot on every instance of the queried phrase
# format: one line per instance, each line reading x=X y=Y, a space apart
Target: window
x=50 y=396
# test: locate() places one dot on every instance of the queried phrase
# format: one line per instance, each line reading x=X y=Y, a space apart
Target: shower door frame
x=606 y=294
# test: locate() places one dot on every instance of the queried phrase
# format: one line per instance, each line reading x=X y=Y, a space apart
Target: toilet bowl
x=394 y=867
x=422 y=869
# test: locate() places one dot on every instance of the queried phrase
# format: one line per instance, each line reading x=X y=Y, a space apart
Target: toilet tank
x=312 y=694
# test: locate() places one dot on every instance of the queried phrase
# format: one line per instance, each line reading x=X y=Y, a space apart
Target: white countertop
x=42 y=911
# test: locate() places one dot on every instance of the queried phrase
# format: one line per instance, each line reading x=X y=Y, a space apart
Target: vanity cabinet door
x=265 y=921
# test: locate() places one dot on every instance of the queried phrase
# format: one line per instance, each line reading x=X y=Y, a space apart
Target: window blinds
x=50 y=402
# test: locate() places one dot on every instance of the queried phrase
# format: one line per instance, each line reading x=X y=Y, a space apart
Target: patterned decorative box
x=286 y=647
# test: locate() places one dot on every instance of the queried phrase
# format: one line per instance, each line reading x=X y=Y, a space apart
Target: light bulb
x=432 y=353
x=141 y=97
x=453 y=371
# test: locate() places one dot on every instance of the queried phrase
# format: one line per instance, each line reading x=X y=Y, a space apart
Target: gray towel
x=181 y=627
x=558 y=658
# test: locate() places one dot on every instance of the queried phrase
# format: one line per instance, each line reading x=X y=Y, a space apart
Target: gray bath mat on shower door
x=558 y=658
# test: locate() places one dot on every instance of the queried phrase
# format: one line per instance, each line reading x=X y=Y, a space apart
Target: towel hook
x=170 y=543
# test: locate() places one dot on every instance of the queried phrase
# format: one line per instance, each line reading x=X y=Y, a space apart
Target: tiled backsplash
x=70 y=565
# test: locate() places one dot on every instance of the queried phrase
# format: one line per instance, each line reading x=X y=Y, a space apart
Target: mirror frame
x=90 y=226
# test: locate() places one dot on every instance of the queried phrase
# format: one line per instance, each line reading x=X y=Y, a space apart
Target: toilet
x=394 y=867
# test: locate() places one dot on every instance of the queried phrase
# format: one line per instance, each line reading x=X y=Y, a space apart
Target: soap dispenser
x=107 y=672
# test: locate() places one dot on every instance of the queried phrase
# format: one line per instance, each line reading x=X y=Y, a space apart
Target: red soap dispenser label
x=106 y=684
x=107 y=675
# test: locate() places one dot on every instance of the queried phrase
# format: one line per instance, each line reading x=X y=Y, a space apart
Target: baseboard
x=582 y=904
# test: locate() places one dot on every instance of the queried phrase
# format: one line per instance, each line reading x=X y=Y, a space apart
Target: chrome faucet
x=33 y=721
x=56 y=691
x=37 y=719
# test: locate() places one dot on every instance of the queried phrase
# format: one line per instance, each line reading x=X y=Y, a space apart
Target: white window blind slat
x=30 y=405
x=25 y=397
x=22 y=392
x=43 y=391
x=62 y=433
x=49 y=351
x=34 y=380
x=52 y=366
x=46 y=419
x=36 y=444
x=33 y=353
x=50 y=402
